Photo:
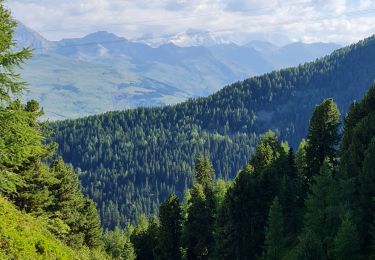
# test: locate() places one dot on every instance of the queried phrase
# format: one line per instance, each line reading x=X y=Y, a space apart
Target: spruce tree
x=274 y=232
x=247 y=202
x=323 y=208
x=69 y=205
x=239 y=219
x=199 y=224
x=323 y=137
x=204 y=172
x=91 y=227
x=170 y=218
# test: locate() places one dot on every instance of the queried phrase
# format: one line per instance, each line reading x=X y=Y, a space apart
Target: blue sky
x=341 y=21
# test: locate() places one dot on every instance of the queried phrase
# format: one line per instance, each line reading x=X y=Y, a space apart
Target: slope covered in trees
x=276 y=207
x=131 y=160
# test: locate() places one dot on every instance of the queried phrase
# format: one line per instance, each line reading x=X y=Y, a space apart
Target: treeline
x=315 y=203
x=131 y=160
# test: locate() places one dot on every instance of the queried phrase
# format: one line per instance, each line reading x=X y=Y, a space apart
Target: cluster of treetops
x=317 y=203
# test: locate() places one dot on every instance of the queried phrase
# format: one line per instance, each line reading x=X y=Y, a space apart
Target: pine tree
x=346 y=244
x=323 y=137
x=274 y=231
x=170 y=218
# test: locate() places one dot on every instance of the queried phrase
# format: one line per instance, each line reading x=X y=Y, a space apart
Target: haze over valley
x=103 y=72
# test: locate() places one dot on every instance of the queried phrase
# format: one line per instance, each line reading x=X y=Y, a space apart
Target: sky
x=339 y=21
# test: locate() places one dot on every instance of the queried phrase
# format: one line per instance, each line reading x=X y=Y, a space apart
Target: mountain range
x=102 y=71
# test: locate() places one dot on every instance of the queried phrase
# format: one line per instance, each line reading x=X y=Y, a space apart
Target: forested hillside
x=129 y=161
x=316 y=203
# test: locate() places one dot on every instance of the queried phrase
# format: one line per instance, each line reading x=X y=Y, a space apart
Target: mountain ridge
x=100 y=62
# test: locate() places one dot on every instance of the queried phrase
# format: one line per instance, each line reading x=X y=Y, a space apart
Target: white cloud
x=239 y=20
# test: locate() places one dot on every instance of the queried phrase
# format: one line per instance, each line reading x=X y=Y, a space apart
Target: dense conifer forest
x=129 y=161
x=313 y=203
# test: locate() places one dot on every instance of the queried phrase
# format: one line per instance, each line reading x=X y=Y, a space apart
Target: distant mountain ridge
x=108 y=72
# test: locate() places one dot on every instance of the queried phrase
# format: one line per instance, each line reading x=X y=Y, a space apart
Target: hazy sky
x=341 y=21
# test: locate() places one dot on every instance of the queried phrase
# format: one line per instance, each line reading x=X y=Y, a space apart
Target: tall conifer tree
x=170 y=217
x=323 y=137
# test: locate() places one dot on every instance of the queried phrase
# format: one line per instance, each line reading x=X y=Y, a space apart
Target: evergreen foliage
x=271 y=186
x=274 y=231
x=11 y=84
x=346 y=244
x=117 y=244
x=323 y=209
x=170 y=218
x=145 y=238
x=199 y=224
x=322 y=138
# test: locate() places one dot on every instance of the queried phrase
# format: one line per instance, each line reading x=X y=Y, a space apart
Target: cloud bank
x=341 y=21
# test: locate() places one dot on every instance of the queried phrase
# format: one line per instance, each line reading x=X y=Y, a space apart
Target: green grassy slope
x=22 y=236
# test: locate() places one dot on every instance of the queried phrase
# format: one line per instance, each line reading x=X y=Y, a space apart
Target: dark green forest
x=129 y=161
x=313 y=203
